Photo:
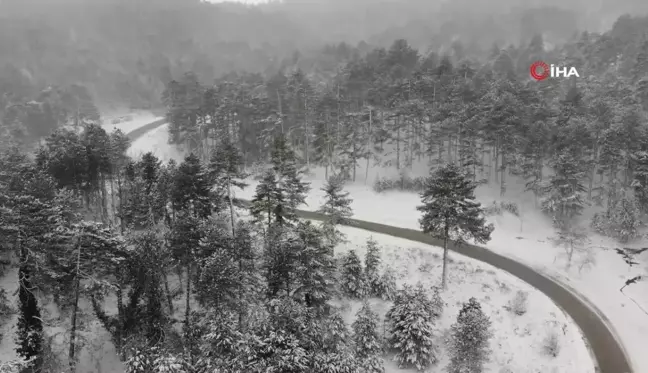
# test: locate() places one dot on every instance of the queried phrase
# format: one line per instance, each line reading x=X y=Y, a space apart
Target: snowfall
x=518 y=339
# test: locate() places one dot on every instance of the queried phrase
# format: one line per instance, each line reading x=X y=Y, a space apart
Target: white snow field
x=517 y=342
x=598 y=276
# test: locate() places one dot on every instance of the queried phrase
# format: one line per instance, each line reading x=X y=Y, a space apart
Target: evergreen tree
x=470 y=339
x=372 y=266
x=337 y=208
x=386 y=286
x=191 y=188
x=411 y=320
x=352 y=277
x=451 y=212
x=289 y=184
x=266 y=199
x=281 y=189
x=564 y=193
x=225 y=173
x=315 y=266
x=365 y=333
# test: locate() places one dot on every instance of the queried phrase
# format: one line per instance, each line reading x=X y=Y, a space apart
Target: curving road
x=608 y=351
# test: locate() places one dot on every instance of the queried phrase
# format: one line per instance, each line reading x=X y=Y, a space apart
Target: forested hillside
x=124 y=52
x=576 y=142
x=178 y=275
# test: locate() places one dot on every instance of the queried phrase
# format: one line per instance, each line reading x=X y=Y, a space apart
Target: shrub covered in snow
x=551 y=344
x=386 y=288
x=621 y=221
x=257 y=170
x=510 y=207
x=497 y=209
x=403 y=183
x=15 y=366
x=518 y=305
x=493 y=209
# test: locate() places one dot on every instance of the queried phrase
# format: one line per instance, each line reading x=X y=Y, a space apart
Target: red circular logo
x=543 y=74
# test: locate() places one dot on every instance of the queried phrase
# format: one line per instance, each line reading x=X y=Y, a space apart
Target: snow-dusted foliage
x=519 y=304
x=621 y=221
x=337 y=208
x=411 y=328
x=352 y=281
x=574 y=241
x=404 y=183
x=450 y=211
x=372 y=263
x=155 y=360
x=563 y=194
x=551 y=344
x=469 y=343
x=386 y=287
x=365 y=333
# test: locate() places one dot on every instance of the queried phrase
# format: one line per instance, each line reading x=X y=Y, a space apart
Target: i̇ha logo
x=541 y=71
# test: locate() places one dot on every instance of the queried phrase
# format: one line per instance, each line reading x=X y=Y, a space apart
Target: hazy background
x=125 y=50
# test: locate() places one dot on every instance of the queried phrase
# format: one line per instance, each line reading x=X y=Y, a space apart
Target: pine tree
x=289 y=183
x=451 y=212
x=266 y=199
x=640 y=179
x=564 y=192
x=337 y=208
x=315 y=266
x=411 y=320
x=191 y=188
x=365 y=333
x=372 y=265
x=386 y=286
x=470 y=339
x=352 y=280
x=225 y=173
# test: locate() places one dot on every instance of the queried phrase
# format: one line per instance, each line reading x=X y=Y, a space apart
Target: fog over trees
x=181 y=275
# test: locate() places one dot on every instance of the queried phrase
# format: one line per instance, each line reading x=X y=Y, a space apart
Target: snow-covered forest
x=117 y=258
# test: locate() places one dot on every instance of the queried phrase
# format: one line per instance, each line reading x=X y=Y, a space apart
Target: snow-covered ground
x=526 y=241
x=151 y=142
x=518 y=341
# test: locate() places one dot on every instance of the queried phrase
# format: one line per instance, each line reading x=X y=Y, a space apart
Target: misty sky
x=240 y=1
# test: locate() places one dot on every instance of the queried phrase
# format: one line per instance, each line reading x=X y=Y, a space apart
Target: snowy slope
x=399 y=209
x=527 y=242
x=517 y=343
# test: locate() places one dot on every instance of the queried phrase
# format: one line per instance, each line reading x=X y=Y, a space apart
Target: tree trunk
x=121 y=203
x=168 y=292
x=306 y=133
x=444 y=274
x=503 y=179
x=369 y=151
x=397 y=143
x=188 y=337
x=75 y=309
